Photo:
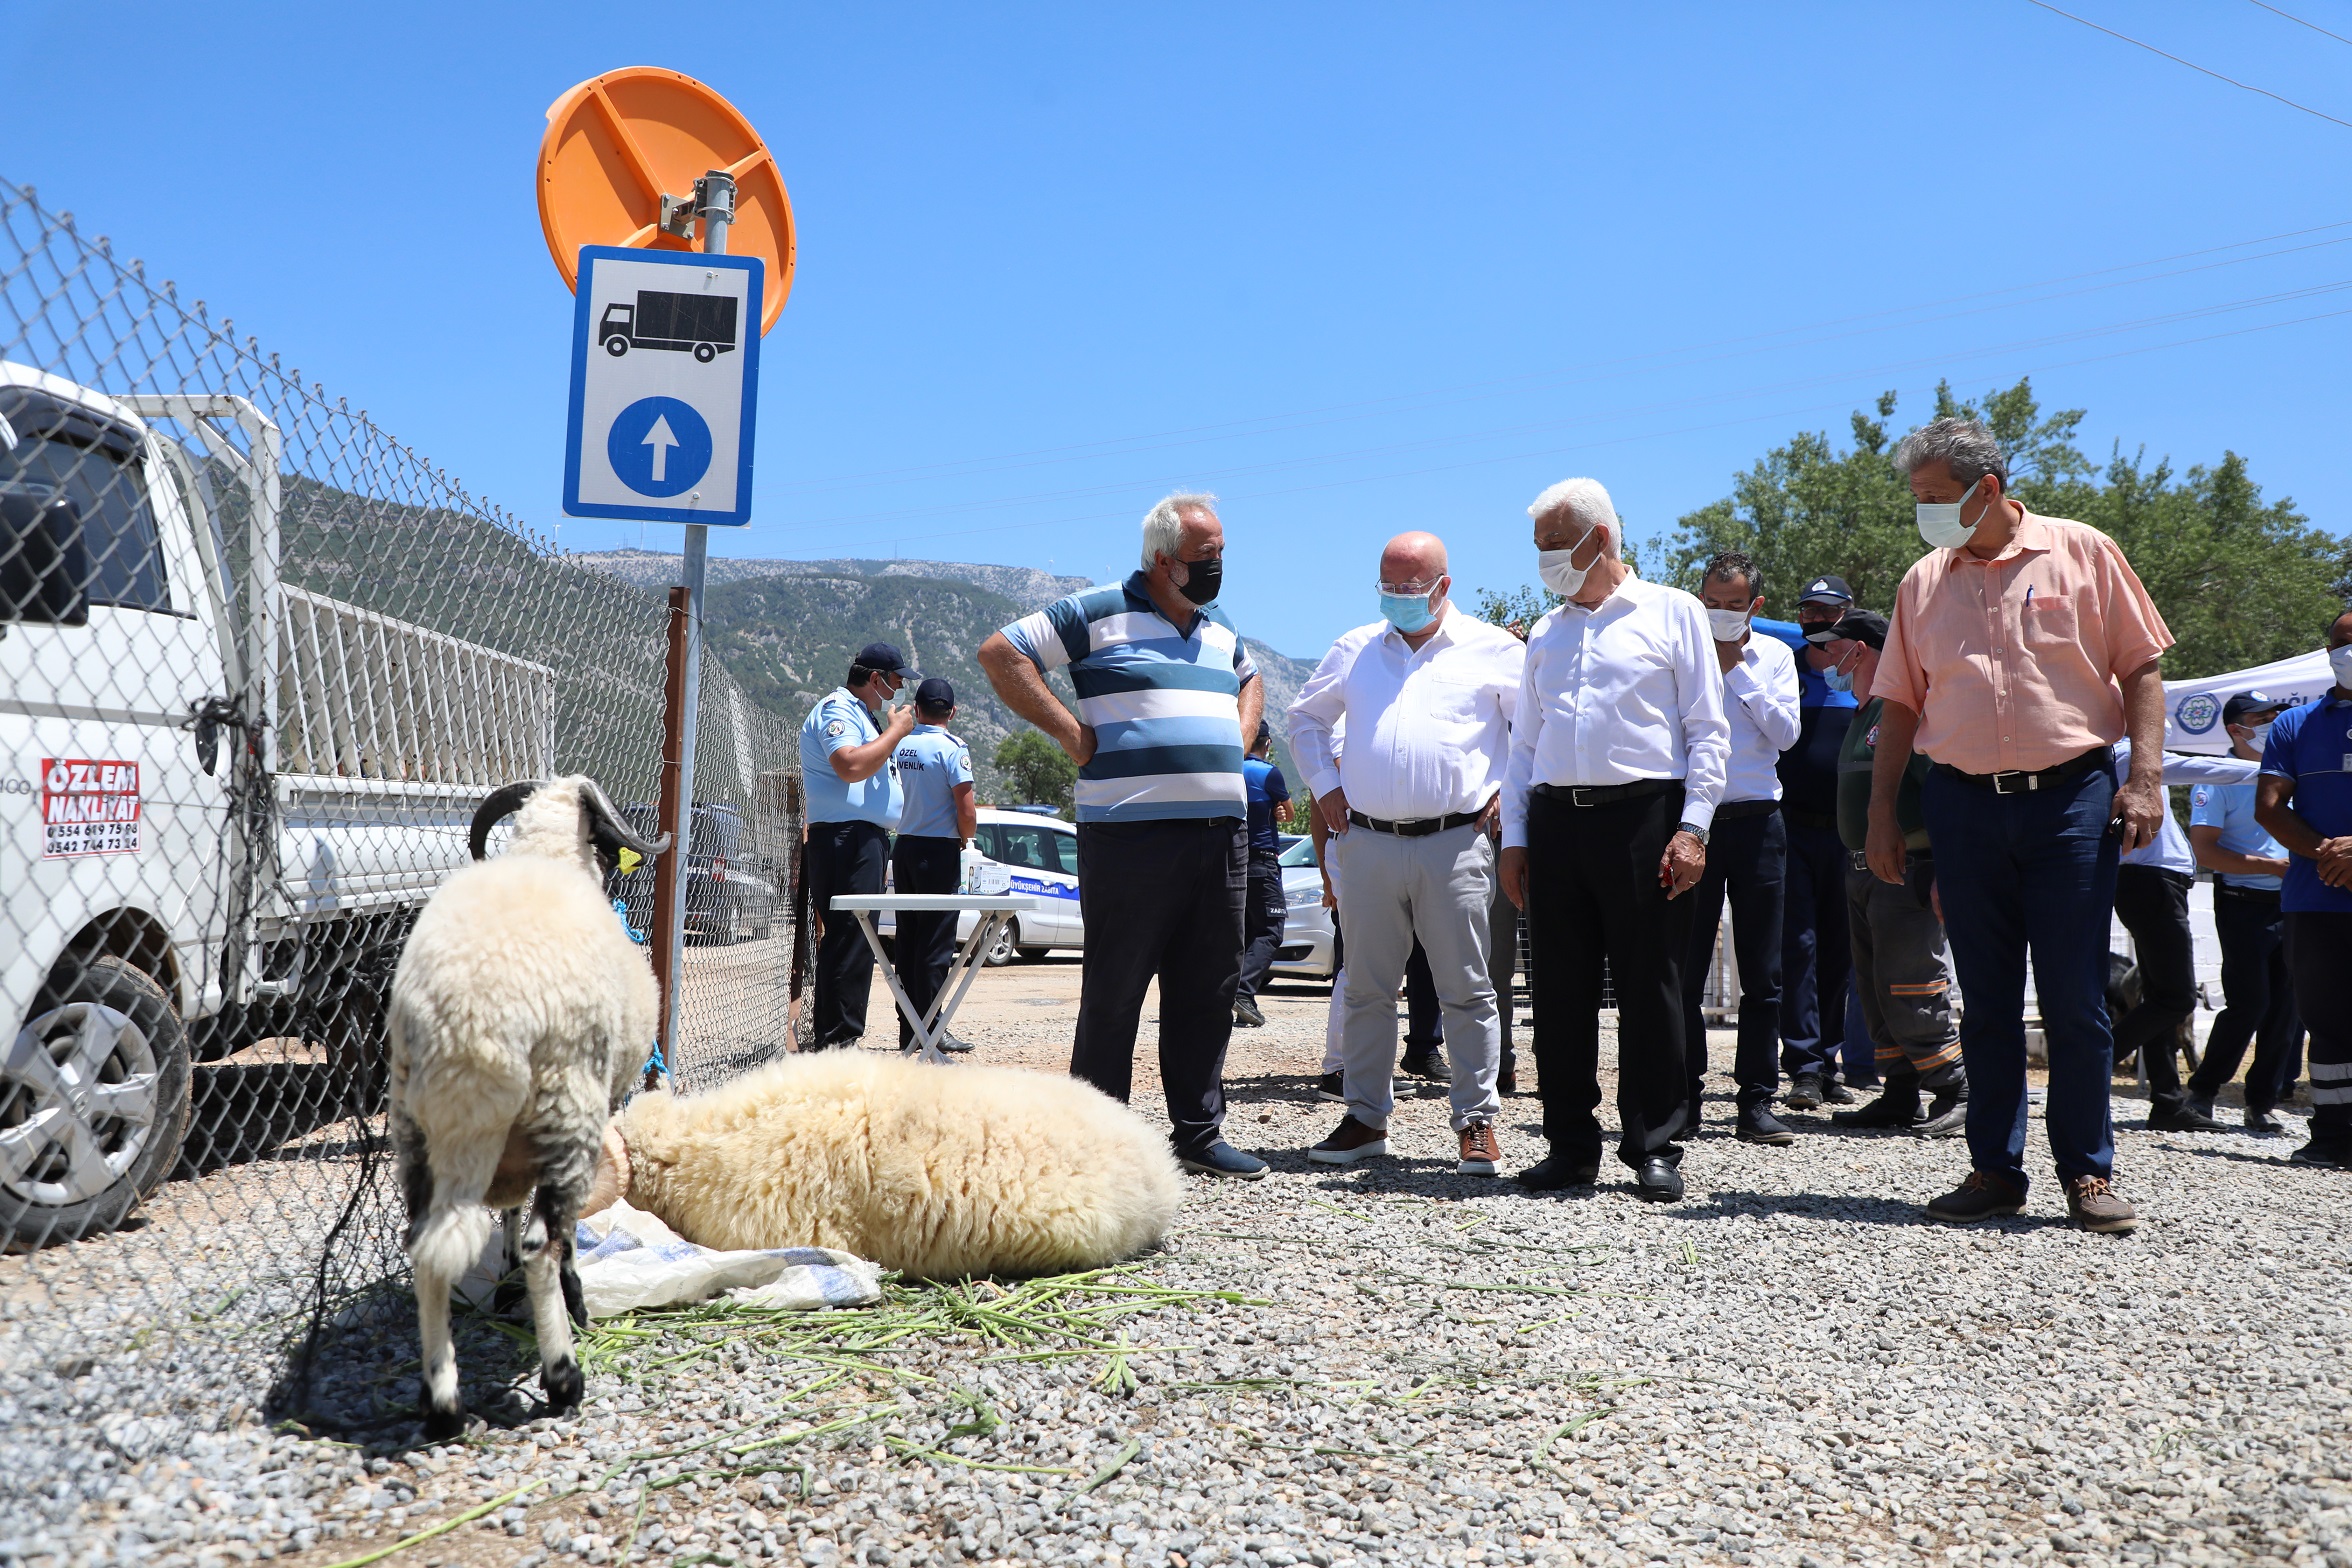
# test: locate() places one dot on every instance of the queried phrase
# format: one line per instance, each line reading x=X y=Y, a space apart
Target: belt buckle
x=1577 y=792
x=2008 y=783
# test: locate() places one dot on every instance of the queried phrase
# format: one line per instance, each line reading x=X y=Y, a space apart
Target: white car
x=1310 y=938
x=1025 y=852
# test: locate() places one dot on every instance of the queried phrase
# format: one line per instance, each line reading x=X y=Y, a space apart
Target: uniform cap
x=935 y=693
x=886 y=658
x=1826 y=589
x=2246 y=702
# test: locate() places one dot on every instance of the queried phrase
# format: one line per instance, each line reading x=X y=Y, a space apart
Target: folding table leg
x=906 y=1007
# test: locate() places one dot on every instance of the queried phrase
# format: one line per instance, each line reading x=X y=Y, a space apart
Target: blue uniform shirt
x=2313 y=746
x=1266 y=788
x=836 y=721
x=931 y=763
x=2230 y=807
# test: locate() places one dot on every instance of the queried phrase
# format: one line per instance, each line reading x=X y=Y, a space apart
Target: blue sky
x=1357 y=269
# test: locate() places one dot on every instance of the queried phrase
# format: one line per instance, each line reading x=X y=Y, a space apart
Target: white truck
x=222 y=797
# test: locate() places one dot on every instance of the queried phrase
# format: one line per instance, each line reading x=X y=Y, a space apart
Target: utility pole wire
x=2193 y=65
x=2292 y=17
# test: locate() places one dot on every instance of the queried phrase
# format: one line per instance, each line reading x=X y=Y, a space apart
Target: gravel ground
x=1788 y=1367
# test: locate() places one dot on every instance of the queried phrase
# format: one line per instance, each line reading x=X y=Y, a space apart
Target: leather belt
x=2024 y=783
x=1732 y=810
x=1419 y=828
x=2253 y=895
x=1587 y=795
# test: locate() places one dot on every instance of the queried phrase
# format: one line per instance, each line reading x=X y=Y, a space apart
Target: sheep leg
x=509 y=1292
x=444 y=1416
x=546 y=1260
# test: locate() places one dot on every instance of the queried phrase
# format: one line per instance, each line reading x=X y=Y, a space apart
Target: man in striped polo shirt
x=1165 y=693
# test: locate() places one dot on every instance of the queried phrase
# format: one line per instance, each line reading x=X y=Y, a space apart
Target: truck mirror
x=44 y=567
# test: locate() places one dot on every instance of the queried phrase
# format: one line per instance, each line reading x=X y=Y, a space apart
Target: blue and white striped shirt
x=1164 y=704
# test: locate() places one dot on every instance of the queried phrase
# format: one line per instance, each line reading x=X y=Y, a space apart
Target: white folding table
x=996 y=911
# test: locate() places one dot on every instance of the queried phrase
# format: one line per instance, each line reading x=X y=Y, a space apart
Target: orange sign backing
x=618 y=142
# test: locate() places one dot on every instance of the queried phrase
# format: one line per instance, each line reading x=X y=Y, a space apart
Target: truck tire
x=93 y=1105
x=704 y=353
x=616 y=345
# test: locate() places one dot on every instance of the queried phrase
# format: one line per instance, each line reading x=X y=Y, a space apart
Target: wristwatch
x=1694 y=830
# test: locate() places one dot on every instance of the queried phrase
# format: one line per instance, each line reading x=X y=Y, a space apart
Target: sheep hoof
x=564 y=1385
x=444 y=1426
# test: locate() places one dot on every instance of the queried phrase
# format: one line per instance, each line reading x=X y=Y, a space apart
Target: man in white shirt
x=1747 y=855
x=1426 y=694
x=1618 y=755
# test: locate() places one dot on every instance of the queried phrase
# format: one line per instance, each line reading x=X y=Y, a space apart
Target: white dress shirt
x=1615 y=695
x=2169 y=849
x=1429 y=728
x=1760 y=700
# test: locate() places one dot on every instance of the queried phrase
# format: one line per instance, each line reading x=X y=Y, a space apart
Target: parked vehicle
x=1310 y=937
x=222 y=801
x=1019 y=849
x=730 y=889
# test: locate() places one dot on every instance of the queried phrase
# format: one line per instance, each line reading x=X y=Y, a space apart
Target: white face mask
x=1728 y=625
x=1940 y=525
x=2259 y=737
x=2340 y=661
x=1558 y=571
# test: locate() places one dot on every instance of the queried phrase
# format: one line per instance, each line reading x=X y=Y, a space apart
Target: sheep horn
x=504 y=801
x=617 y=827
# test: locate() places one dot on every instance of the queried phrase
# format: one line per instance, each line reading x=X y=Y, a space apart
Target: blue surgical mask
x=1407 y=612
x=1837 y=680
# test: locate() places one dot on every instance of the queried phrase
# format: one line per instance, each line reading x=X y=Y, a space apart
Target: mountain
x=788 y=629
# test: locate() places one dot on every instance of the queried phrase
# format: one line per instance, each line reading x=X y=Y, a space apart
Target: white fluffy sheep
x=518 y=1012
x=937 y=1172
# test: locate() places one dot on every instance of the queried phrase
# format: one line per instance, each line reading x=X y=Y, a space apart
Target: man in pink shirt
x=2022 y=649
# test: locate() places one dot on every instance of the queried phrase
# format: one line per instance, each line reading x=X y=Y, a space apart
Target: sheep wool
x=937 y=1172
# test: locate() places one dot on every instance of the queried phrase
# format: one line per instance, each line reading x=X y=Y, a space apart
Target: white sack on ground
x=628 y=1259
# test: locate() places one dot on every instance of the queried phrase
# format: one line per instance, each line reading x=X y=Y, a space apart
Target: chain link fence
x=259 y=662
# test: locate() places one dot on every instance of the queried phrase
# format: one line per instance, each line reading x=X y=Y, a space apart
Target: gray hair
x=1163 y=525
x=1964 y=446
x=1586 y=500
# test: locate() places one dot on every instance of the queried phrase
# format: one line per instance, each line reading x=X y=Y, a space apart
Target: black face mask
x=1202 y=579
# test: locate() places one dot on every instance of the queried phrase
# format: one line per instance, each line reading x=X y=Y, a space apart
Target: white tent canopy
x=2192 y=709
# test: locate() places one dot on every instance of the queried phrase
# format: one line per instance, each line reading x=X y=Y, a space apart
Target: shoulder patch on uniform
x=837 y=727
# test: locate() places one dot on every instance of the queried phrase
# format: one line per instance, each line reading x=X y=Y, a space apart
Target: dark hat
x=882 y=656
x=1827 y=589
x=935 y=693
x=2246 y=702
x=1860 y=626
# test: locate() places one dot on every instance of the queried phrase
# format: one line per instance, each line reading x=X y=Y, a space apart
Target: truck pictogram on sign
x=700 y=324
x=88 y=807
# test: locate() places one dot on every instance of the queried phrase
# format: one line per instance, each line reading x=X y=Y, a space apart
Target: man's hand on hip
x=1490 y=820
x=1883 y=849
x=1684 y=862
x=2140 y=803
x=1334 y=807
x=1079 y=746
x=1513 y=869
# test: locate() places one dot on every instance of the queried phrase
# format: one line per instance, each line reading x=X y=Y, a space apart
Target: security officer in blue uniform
x=935 y=775
x=2305 y=799
x=2258 y=1000
x=853 y=796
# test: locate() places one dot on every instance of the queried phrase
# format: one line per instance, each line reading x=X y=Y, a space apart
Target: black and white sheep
x=519 y=1014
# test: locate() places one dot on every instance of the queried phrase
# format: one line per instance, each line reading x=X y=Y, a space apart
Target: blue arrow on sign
x=659 y=446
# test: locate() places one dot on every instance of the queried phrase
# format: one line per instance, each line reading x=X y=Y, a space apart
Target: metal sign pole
x=714 y=200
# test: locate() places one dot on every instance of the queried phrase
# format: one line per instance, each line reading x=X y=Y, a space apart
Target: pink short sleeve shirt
x=2012 y=663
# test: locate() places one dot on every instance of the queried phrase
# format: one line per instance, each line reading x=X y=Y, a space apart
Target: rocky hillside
x=788 y=629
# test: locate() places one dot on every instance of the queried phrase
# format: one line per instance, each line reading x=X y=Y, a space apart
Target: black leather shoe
x=1552 y=1174
x=1835 y=1092
x=1427 y=1064
x=2182 y=1118
x=1658 y=1181
x=1507 y=1081
x=1246 y=1014
x=1805 y=1093
x=1761 y=1126
x=2262 y=1124
x=1896 y=1106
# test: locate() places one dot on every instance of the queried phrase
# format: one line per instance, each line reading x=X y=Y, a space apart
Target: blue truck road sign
x=665 y=386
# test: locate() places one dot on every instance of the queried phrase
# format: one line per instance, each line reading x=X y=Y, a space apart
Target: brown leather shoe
x=1349 y=1142
x=1979 y=1197
x=2094 y=1205
x=1482 y=1153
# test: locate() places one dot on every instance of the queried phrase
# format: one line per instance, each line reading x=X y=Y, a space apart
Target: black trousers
x=1747 y=860
x=2153 y=905
x=1262 y=921
x=1815 y=953
x=1593 y=894
x=2318 y=947
x=843 y=858
x=2258 y=998
x=1502 y=963
x=1424 y=1019
x=1162 y=900
x=925 y=943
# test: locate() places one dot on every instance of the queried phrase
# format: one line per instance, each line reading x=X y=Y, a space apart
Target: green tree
x=1036 y=772
x=2239 y=582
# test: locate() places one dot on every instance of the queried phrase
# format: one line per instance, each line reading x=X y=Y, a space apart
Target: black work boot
x=1947 y=1114
x=1897 y=1106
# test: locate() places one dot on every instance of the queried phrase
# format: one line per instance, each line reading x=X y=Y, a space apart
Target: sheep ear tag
x=630 y=860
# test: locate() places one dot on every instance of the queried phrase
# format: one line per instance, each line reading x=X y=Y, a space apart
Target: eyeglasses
x=1411 y=590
